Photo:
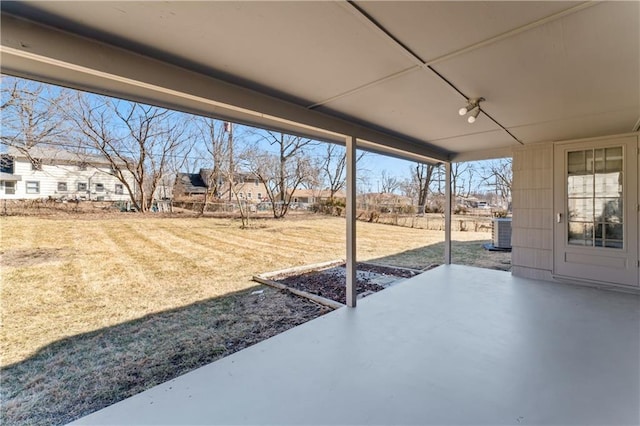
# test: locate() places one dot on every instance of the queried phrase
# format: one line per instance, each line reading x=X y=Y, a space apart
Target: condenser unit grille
x=501 y=233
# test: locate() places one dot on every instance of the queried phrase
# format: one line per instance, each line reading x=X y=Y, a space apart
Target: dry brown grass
x=70 y=286
x=63 y=277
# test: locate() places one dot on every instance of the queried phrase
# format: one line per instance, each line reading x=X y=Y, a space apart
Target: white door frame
x=617 y=267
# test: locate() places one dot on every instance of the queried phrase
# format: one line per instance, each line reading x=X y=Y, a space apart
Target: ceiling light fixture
x=473 y=105
x=472 y=117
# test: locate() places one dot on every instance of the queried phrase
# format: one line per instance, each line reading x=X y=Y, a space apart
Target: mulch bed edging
x=302 y=269
x=314 y=297
x=285 y=279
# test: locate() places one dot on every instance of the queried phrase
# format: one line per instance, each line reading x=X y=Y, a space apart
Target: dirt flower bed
x=330 y=283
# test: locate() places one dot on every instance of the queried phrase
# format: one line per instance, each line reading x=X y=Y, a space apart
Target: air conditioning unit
x=501 y=233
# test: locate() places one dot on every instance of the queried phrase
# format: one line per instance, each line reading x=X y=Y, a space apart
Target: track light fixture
x=464 y=110
x=473 y=105
x=472 y=117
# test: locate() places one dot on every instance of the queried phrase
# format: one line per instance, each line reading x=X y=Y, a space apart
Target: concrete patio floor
x=455 y=345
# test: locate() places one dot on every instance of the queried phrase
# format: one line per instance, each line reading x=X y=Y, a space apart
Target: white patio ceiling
x=392 y=73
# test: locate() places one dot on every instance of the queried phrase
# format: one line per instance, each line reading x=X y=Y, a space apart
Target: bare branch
x=32 y=114
x=281 y=173
x=143 y=140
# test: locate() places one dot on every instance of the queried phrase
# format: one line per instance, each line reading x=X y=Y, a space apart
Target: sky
x=373 y=166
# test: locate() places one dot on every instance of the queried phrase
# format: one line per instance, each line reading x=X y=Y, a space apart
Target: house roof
x=9 y=177
x=58 y=155
x=191 y=183
x=392 y=74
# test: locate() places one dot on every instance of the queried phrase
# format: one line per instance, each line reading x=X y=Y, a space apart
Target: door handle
x=559 y=217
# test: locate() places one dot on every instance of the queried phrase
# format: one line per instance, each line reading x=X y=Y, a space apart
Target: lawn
x=98 y=309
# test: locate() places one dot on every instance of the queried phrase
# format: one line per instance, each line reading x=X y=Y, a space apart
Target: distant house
x=58 y=174
x=246 y=185
x=249 y=188
x=188 y=185
x=303 y=197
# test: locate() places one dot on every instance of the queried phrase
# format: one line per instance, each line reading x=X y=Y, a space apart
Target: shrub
x=500 y=213
x=334 y=207
x=460 y=210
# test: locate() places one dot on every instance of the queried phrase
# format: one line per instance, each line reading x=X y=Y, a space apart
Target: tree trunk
x=204 y=202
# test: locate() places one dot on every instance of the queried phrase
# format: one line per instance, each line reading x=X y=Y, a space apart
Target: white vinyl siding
x=78 y=181
x=532 y=225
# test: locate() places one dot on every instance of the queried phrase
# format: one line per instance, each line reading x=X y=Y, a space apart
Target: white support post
x=351 y=221
x=447 y=214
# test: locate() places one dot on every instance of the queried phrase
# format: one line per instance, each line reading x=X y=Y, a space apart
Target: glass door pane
x=594 y=197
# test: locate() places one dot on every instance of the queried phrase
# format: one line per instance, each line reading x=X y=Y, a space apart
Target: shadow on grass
x=78 y=375
x=470 y=253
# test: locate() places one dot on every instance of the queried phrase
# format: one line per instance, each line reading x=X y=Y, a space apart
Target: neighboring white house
x=58 y=174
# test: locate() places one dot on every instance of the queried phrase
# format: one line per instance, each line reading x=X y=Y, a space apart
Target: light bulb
x=471 y=119
x=462 y=111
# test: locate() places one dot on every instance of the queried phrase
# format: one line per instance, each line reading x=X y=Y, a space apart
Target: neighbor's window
x=257 y=183
x=36 y=164
x=249 y=195
x=119 y=189
x=9 y=188
x=6 y=164
x=62 y=186
x=99 y=187
x=82 y=186
x=32 y=187
x=259 y=196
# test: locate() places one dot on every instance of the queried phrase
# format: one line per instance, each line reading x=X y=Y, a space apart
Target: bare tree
x=499 y=175
x=218 y=150
x=462 y=179
x=281 y=173
x=241 y=160
x=137 y=140
x=32 y=115
x=333 y=168
x=422 y=176
x=225 y=158
x=9 y=92
x=389 y=183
